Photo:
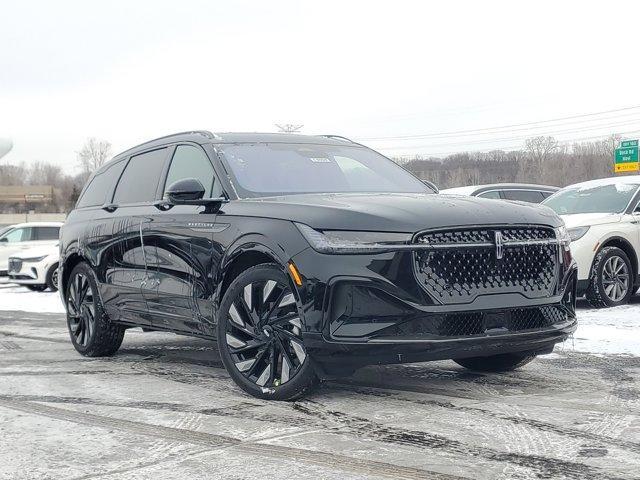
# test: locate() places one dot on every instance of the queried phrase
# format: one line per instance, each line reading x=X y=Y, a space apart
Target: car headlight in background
x=349 y=242
x=563 y=237
x=34 y=259
x=576 y=233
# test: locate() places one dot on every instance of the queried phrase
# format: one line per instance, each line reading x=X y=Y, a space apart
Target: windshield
x=613 y=198
x=269 y=169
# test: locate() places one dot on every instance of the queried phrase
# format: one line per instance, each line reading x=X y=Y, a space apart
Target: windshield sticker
x=320 y=159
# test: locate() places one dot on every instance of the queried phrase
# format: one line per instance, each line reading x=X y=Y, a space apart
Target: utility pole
x=289 y=127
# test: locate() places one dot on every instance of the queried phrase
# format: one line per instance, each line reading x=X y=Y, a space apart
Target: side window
x=524 y=195
x=17 y=235
x=46 y=233
x=490 y=194
x=546 y=195
x=96 y=192
x=140 y=178
x=191 y=162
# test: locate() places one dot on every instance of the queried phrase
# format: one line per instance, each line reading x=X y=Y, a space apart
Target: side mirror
x=4 y=240
x=187 y=189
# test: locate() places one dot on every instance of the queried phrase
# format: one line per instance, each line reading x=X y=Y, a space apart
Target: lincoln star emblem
x=499 y=245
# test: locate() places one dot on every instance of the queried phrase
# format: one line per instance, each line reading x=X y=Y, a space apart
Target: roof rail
x=340 y=137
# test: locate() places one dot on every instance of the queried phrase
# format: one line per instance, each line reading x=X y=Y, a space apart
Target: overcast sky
x=129 y=71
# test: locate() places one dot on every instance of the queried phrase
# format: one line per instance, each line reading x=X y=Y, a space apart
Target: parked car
x=36 y=268
x=603 y=220
x=307 y=257
x=26 y=235
x=523 y=192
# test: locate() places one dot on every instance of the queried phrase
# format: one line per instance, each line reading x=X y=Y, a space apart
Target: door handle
x=110 y=207
x=163 y=205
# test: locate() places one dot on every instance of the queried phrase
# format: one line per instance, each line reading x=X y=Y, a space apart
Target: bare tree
x=93 y=154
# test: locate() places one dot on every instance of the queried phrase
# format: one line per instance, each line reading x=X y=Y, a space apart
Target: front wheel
x=504 y=362
x=91 y=331
x=52 y=278
x=611 y=281
x=260 y=336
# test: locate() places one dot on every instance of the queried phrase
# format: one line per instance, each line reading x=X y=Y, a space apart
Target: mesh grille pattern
x=459 y=274
x=480 y=323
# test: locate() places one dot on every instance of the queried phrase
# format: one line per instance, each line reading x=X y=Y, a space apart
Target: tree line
x=542 y=160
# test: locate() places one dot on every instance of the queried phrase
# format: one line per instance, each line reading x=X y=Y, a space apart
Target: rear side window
x=46 y=233
x=139 y=180
x=96 y=192
x=191 y=162
x=524 y=195
x=490 y=194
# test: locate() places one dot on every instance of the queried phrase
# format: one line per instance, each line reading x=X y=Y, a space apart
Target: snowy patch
x=15 y=297
x=607 y=331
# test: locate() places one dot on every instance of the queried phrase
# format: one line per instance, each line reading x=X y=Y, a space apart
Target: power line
x=488 y=129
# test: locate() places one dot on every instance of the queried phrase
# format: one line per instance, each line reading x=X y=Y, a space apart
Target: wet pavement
x=164 y=408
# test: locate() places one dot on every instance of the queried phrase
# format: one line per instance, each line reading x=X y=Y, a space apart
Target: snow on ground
x=606 y=331
x=15 y=297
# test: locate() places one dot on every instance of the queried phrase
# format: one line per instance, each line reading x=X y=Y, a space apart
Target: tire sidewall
x=88 y=273
x=49 y=278
x=303 y=380
x=597 y=275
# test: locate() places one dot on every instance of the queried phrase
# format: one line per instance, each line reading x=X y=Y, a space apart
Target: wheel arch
x=68 y=264
x=624 y=245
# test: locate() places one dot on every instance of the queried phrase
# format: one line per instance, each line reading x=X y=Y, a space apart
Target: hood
x=39 y=251
x=392 y=212
x=589 y=219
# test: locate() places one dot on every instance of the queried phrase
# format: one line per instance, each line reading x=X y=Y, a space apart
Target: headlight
x=34 y=259
x=576 y=233
x=562 y=235
x=348 y=242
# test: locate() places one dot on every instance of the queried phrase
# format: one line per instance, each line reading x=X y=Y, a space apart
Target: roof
x=38 y=224
x=471 y=189
x=204 y=136
x=628 y=179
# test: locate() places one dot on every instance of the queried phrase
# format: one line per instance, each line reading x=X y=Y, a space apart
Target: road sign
x=626 y=157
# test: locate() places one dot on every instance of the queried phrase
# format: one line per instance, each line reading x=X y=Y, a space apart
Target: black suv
x=307 y=257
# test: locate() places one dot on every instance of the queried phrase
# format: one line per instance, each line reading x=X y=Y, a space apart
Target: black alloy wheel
x=81 y=309
x=260 y=335
x=92 y=333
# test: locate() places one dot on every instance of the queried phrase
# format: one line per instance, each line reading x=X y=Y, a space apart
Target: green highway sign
x=626 y=157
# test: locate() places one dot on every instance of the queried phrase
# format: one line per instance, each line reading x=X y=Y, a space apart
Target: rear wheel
x=260 y=336
x=52 y=278
x=611 y=282
x=91 y=331
x=504 y=362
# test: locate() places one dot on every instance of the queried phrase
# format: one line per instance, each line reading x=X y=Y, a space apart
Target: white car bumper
x=28 y=273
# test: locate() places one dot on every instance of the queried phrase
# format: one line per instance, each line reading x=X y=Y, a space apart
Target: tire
x=504 y=362
x=52 y=278
x=36 y=288
x=92 y=333
x=605 y=285
x=259 y=336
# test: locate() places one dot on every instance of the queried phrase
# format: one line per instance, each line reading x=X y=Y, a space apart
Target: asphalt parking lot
x=163 y=407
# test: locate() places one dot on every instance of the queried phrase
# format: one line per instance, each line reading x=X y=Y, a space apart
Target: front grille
x=465 y=263
x=15 y=265
x=479 y=323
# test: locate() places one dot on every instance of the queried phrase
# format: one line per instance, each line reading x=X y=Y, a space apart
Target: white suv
x=36 y=268
x=26 y=235
x=603 y=219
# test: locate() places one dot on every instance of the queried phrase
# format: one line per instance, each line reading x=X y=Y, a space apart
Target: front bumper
x=369 y=309
x=29 y=273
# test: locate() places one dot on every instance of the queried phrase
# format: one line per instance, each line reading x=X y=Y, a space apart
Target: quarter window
x=191 y=162
x=140 y=178
x=96 y=192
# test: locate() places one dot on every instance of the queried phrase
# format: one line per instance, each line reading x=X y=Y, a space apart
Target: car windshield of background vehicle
x=278 y=169
x=600 y=199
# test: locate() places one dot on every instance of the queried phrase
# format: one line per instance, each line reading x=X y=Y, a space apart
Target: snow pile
x=607 y=331
x=15 y=297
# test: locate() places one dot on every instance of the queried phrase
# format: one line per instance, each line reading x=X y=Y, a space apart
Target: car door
x=14 y=241
x=180 y=251
x=131 y=206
